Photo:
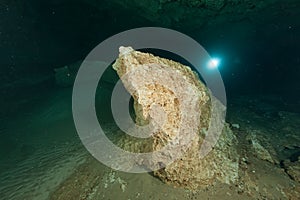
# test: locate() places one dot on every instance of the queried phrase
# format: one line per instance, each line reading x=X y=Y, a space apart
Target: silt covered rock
x=170 y=98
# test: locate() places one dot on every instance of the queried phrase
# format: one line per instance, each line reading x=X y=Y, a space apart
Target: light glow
x=213 y=63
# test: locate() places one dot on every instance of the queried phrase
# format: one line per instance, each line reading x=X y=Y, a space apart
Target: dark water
x=40 y=150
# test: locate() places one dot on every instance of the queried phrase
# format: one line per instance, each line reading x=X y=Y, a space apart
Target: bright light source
x=213 y=63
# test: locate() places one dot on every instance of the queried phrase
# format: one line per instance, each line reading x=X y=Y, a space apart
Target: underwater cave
x=150 y=99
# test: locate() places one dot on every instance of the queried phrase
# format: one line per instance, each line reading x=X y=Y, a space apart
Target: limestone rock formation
x=259 y=150
x=192 y=14
x=293 y=169
x=170 y=97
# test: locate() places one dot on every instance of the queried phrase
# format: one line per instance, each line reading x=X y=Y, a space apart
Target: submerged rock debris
x=180 y=131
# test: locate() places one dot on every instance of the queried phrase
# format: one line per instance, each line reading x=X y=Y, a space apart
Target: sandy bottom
x=43 y=158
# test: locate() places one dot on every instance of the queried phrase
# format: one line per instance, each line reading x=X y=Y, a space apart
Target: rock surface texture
x=170 y=97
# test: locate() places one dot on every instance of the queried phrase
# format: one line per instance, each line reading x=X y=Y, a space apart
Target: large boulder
x=170 y=97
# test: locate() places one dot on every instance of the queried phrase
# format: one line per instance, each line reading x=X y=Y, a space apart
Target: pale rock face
x=170 y=97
